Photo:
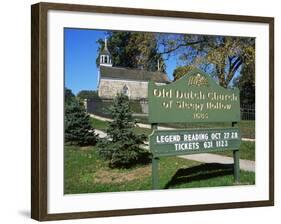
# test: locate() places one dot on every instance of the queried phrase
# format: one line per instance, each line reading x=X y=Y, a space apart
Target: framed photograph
x=139 y=111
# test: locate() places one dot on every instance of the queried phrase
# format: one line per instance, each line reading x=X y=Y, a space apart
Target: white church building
x=132 y=82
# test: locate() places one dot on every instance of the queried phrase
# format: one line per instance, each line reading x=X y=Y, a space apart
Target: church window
x=125 y=90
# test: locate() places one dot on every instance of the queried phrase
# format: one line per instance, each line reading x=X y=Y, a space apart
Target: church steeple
x=105 y=57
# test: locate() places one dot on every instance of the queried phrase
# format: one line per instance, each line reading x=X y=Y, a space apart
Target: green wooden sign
x=195 y=97
x=182 y=142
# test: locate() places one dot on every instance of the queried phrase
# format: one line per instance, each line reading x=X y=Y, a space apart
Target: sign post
x=194 y=98
x=236 y=161
x=236 y=166
x=155 y=160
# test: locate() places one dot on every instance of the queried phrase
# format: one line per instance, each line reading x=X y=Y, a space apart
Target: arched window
x=125 y=90
x=105 y=59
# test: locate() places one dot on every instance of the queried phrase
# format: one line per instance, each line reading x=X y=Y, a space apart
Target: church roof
x=133 y=74
x=105 y=51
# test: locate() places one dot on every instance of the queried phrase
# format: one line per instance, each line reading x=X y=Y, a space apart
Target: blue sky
x=81 y=50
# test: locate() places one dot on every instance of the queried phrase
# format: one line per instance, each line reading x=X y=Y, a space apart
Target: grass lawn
x=102 y=125
x=86 y=173
x=247 y=149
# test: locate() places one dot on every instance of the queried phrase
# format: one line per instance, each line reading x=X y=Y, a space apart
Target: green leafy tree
x=78 y=128
x=231 y=56
x=122 y=146
x=181 y=71
x=246 y=83
x=68 y=96
x=223 y=57
x=133 y=50
x=88 y=94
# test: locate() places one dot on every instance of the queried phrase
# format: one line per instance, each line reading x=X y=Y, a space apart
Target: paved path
x=246 y=165
x=204 y=157
x=141 y=125
x=100 y=133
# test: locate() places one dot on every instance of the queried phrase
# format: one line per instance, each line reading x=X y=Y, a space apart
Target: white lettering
x=168 y=138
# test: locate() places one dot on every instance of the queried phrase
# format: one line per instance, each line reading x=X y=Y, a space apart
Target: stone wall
x=108 y=88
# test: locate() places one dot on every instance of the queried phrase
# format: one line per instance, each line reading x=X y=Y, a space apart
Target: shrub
x=78 y=128
x=88 y=94
x=122 y=147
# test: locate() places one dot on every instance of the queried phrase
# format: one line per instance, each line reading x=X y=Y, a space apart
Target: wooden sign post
x=194 y=98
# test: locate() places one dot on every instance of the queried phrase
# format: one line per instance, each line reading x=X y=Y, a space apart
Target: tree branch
x=179 y=46
x=234 y=68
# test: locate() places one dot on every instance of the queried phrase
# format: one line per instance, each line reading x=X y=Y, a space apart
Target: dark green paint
x=236 y=166
x=155 y=179
x=155 y=161
x=204 y=139
x=211 y=140
x=194 y=98
x=167 y=104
